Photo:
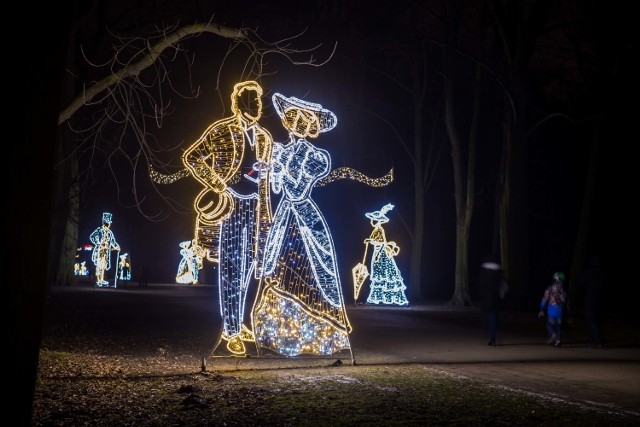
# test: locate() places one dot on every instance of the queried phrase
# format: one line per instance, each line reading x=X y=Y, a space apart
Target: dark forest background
x=540 y=93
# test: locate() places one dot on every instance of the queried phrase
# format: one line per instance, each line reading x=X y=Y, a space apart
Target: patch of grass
x=345 y=396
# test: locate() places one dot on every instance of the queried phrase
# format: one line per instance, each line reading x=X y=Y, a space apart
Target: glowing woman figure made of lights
x=124 y=267
x=84 y=271
x=299 y=307
x=188 y=267
x=233 y=209
x=387 y=285
x=104 y=242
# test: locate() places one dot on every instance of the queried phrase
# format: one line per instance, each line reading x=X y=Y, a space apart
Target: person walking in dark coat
x=143 y=277
x=493 y=286
x=589 y=292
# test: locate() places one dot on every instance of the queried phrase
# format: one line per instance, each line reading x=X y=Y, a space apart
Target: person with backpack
x=552 y=305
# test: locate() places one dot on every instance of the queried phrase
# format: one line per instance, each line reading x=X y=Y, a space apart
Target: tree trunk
x=414 y=287
x=464 y=191
x=70 y=237
x=65 y=215
x=26 y=222
x=579 y=251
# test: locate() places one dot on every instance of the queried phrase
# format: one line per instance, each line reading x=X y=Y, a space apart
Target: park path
x=184 y=320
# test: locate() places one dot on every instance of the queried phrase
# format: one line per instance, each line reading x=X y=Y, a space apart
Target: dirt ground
x=165 y=331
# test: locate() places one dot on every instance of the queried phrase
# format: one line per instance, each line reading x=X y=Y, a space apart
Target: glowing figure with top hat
x=387 y=285
x=104 y=242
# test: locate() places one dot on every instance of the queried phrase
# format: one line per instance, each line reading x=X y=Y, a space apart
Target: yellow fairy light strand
x=160 y=178
x=349 y=173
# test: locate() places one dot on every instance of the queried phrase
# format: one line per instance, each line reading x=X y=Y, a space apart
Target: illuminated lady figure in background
x=104 y=242
x=300 y=307
x=188 y=267
x=387 y=285
x=124 y=268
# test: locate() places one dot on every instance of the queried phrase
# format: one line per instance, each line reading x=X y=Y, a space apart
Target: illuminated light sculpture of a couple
x=289 y=257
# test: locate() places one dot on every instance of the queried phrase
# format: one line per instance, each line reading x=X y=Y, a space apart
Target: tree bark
x=414 y=288
x=464 y=189
x=26 y=222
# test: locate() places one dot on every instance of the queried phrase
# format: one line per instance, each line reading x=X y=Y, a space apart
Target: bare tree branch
x=132 y=100
x=134 y=69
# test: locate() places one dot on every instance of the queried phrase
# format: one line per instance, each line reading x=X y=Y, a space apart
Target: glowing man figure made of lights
x=299 y=307
x=387 y=285
x=233 y=209
x=104 y=242
x=188 y=267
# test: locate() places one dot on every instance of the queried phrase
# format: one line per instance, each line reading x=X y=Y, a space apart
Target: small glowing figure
x=189 y=265
x=387 y=285
x=124 y=268
x=80 y=268
x=104 y=242
x=84 y=271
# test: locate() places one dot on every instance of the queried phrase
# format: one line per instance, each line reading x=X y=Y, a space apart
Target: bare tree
x=519 y=26
x=129 y=103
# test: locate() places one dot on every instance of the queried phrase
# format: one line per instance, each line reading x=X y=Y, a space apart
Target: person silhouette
x=589 y=291
x=552 y=304
x=493 y=287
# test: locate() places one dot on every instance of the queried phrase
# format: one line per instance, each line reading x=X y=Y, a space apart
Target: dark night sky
x=557 y=152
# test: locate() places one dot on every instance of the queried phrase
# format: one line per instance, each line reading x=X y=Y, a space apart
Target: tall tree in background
x=464 y=178
x=599 y=101
x=519 y=25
